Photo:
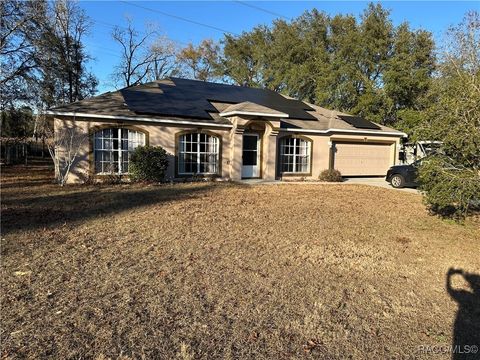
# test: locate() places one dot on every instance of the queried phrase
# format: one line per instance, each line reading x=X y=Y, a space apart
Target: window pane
x=111 y=153
x=287 y=164
x=197 y=153
x=106 y=155
x=249 y=142
x=294 y=155
x=181 y=163
x=107 y=144
x=249 y=158
x=212 y=144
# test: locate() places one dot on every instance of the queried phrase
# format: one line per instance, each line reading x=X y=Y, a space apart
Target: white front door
x=251 y=156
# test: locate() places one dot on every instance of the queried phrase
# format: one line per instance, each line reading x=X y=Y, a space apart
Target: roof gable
x=251 y=109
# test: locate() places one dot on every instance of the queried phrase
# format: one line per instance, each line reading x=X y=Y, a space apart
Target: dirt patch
x=226 y=271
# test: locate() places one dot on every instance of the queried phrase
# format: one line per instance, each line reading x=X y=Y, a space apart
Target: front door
x=251 y=156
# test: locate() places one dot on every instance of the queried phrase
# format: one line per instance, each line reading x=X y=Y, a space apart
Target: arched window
x=295 y=155
x=198 y=154
x=112 y=148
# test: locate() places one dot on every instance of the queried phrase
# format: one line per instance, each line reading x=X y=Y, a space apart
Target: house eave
x=347 y=131
x=128 y=118
x=252 y=113
x=225 y=126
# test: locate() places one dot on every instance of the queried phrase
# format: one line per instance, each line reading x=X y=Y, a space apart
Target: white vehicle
x=410 y=152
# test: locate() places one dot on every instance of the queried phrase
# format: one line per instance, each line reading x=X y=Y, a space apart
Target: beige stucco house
x=224 y=131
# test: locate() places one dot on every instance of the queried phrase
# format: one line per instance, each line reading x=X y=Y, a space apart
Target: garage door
x=362 y=159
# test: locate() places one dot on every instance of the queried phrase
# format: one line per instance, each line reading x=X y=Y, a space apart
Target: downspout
x=331 y=146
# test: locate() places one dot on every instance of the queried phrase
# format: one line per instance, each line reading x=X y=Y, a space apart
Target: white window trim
x=217 y=154
x=294 y=155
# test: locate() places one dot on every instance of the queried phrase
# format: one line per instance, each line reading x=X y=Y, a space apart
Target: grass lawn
x=210 y=271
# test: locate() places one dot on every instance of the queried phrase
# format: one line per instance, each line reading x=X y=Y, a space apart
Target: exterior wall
x=321 y=157
x=231 y=145
x=156 y=135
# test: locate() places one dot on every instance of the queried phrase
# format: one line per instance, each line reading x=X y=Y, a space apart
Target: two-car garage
x=362 y=158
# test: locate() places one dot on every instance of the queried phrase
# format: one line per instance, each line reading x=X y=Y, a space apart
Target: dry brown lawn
x=228 y=271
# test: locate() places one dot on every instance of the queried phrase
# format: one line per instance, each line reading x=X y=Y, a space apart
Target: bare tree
x=64 y=147
x=201 y=62
x=71 y=24
x=163 y=53
x=136 y=57
x=64 y=77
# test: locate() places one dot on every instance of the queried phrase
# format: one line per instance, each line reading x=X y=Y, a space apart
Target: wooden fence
x=19 y=150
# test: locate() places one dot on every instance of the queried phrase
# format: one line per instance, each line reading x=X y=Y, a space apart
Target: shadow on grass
x=466 y=332
x=39 y=212
x=20 y=184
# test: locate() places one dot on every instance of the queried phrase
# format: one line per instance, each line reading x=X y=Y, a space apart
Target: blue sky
x=237 y=16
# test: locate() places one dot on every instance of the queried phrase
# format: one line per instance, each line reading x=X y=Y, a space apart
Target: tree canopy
x=451 y=179
x=364 y=66
x=43 y=55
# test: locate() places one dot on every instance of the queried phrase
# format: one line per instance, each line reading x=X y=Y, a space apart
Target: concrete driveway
x=372 y=181
x=376 y=181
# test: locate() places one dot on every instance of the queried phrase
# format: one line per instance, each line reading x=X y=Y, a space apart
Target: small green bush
x=148 y=163
x=451 y=190
x=330 y=175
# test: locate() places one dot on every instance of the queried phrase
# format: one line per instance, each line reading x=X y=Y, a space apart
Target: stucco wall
x=157 y=135
x=320 y=156
x=231 y=145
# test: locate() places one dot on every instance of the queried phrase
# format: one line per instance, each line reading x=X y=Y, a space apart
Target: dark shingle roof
x=199 y=101
x=188 y=99
x=191 y=98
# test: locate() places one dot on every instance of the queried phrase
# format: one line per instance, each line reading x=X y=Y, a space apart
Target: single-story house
x=225 y=131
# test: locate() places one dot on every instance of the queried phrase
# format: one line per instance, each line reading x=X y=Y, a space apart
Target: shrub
x=330 y=175
x=148 y=163
x=450 y=190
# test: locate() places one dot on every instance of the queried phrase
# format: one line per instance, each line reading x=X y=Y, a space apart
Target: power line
x=262 y=9
x=101 y=22
x=181 y=18
x=103 y=49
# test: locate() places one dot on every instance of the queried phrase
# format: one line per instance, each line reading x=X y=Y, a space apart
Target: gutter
x=128 y=118
x=228 y=126
x=344 y=131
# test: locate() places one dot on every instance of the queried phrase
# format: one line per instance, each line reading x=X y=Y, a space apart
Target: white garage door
x=362 y=159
